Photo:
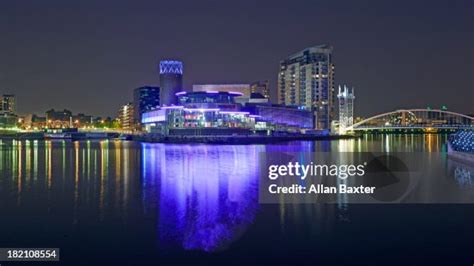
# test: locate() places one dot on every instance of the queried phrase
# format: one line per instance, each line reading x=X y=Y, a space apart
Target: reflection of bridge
x=419 y=119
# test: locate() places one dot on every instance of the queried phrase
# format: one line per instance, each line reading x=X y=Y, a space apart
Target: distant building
x=33 y=121
x=82 y=120
x=261 y=87
x=8 y=103
x=145 y=99
x=171 y=81
x=126 y=117
x=306 y=79
x=8 y=120
x=346 y=108
x=59 y=119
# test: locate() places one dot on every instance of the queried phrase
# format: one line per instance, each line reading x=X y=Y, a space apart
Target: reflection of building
x=145 y=99
x=171 y=81
x=346 y=108
x=59 y=119
x=261 y=87
x=8 y=103
x=126 y=117
x=306 y=79
x=205 y=208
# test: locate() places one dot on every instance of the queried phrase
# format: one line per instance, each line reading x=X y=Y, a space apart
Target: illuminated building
x=222 y=100
x=126 y=117
x=256 y=97
x=7 y=120
x=33 y=121
x=171 y=81
x=346 y=108
x=462 y=141
x=81 y=120
x=59 y=119
x=280 y=117
x=261 y=87
x=8 y=117
x=202 y=110
x=145 y=99
x=217 y=113
x=8 y=104
x=244 y=89
x=306 y=79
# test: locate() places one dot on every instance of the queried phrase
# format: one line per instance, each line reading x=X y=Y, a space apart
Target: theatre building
x=214 y=113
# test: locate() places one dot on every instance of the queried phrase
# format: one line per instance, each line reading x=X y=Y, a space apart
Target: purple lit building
x=217 y=113
x=280 y=117
x=203 y=110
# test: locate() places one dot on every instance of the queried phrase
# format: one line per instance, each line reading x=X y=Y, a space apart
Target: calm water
x=134 y=203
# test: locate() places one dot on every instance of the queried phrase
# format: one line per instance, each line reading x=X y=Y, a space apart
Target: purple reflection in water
x=206 y=196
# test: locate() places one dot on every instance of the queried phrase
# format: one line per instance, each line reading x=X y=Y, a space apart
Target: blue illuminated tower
x=171 y=81
x=346 y=108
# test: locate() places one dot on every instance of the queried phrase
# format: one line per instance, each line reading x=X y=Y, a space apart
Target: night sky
x=88 y=56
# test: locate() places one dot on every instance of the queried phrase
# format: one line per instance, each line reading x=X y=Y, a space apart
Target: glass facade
x=145 y=99
x=218 y=110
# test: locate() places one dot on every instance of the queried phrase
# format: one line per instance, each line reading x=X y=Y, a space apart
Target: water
x=134 y=203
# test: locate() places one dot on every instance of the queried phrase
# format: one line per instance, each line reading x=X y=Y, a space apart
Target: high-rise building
x=261 y=87
x=145 y=99
x=306 y=80
x=346 y=108
x=171 y=81
x=8 y=103
x=126 y=117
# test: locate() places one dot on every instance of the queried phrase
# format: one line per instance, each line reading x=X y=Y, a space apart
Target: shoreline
x=236 y=140
x=192 y=139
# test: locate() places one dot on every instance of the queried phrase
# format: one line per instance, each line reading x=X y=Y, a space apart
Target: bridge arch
x=415 y=118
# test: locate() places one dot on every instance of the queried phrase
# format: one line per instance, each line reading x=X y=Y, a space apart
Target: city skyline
x=90 y=67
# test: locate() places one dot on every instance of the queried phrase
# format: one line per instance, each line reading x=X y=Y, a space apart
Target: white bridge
x=426 y=119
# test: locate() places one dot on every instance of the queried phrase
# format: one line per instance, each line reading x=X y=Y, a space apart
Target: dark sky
x=88 y=56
